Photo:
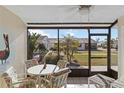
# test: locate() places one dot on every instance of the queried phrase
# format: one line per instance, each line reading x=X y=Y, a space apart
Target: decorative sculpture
x=4 y=54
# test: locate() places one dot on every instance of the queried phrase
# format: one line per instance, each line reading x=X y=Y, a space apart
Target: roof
x=41 y=38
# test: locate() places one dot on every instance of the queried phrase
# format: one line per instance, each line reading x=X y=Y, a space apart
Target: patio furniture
x=4 y=54
x=39 y=70
x=100 y=81
x=30 y=63
x=25 y=83
x=12 y=79
x=119 y=83
x=56 y=80
x=62 y=64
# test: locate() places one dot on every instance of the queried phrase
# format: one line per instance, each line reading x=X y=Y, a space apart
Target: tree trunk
x=68 y=56
x=71 y=55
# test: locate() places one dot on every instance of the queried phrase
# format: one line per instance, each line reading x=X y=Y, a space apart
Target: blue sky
x=78 y=33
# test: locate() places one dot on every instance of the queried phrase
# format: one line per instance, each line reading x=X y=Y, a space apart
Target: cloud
x=72 y=34
x=38 y=31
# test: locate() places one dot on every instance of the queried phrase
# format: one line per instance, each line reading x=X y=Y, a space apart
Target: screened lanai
x=97 y=30
x=92 y=29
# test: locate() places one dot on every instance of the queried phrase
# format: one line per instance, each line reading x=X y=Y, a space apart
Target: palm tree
x=32 y=43
x=70 y=45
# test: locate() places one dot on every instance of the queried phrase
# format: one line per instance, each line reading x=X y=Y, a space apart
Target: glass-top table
x=38 y=69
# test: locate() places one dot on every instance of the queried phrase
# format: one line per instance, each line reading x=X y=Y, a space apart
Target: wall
x=121 y=46
x=17 y=31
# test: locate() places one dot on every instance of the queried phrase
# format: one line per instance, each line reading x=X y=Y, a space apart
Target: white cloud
x=72 y=34
x=38 y=31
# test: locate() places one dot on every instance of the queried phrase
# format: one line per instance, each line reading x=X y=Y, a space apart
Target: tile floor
x=78 y=82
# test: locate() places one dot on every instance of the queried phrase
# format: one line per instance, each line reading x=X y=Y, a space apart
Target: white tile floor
x=78 y=82
x=79 y=86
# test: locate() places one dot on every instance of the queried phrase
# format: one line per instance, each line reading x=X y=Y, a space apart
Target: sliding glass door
x=99 y=50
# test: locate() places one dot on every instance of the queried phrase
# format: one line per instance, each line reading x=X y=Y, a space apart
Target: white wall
x=121 y=46
x=17 y=31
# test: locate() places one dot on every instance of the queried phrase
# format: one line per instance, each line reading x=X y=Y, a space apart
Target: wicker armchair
x=62 y=64
x=100 y=81
x=13 y=80
x=56 y=80
x=30 y=63
x=25 y=83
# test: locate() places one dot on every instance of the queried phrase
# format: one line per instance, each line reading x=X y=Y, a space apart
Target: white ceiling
x=66 y=13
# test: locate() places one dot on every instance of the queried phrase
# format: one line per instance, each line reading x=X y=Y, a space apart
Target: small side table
x=99 y=82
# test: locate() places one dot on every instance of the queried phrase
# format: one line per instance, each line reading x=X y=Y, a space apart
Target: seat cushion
x=13 y=74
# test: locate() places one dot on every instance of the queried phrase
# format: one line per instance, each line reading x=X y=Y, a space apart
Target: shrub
x=51 y=57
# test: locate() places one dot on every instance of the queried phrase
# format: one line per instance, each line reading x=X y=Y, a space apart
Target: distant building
x=84 y=44
x=50 y=42
x=115 y=44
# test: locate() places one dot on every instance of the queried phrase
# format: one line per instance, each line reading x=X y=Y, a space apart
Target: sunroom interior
x=95 y=21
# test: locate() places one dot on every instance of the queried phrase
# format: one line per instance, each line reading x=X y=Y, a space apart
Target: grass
x=82 y=58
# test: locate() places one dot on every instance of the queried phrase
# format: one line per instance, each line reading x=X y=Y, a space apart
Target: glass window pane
x=41 y=42
x=114 y=49
x=98 y=53
x=74 y=46
x=105 y=31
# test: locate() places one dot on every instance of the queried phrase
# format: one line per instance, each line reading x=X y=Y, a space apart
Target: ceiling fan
x=81 y=10
x=81 y=7
x=77 y=7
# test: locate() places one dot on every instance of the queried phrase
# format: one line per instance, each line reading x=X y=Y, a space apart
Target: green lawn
x=82 y=58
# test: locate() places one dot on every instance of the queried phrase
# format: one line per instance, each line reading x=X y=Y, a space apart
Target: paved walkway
x=99 y=68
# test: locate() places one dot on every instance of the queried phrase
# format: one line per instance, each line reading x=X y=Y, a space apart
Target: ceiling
x=66 y=13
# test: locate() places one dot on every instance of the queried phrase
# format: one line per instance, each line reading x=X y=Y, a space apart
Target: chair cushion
x=12 y=74
x=101 y=80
